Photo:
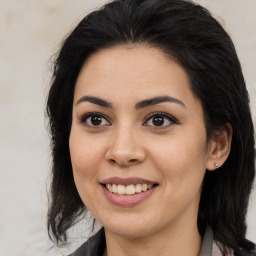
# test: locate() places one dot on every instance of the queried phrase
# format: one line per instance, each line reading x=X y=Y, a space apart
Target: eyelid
x=172 y=119
x=90 y=114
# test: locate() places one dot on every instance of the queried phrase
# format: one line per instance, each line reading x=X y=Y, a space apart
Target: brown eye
x=160 y=120
x=94 y=120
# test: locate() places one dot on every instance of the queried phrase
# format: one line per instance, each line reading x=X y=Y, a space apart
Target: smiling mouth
x=128 y=190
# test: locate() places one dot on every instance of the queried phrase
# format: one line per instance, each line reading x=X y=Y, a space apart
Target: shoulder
x=247 y=248
x=95 y=245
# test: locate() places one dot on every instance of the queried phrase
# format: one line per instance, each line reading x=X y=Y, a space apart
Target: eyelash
x=85 y=118
x=163 y=115
x=171 y=119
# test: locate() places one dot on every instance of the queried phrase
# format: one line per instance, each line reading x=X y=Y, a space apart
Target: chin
x=130 y=228
x=128 y=232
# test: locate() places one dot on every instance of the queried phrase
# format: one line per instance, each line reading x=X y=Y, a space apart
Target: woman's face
x=139 y=132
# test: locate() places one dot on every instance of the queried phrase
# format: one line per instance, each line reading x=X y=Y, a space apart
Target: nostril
x=124 y=163
x=130 y=161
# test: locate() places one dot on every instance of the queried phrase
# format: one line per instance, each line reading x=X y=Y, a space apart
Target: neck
x=169 y=241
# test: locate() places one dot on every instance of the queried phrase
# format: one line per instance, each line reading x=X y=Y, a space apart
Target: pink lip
x=126 y=181
x=127 y=200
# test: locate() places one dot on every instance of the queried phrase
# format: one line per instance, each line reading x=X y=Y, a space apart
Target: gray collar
x=96 y=245
x=206 y=248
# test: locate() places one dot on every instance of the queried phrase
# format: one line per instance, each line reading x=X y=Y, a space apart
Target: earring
x=216 y=165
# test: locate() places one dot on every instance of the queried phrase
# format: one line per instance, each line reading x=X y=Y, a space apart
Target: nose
x=125 y=149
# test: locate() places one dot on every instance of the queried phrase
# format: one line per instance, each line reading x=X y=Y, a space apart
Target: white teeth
x=114 y=188
x=128 y=190
x=109 y=187
x=144 y=187
x=138 y=188
x=150 y=186
x=120 y=189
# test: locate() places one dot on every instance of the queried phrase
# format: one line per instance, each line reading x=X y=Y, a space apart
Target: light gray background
x=30 y=32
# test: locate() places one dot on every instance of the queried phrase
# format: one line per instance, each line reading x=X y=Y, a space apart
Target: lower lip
x=127 y=200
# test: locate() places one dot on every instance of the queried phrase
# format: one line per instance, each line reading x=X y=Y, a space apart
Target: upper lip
x=126 y=181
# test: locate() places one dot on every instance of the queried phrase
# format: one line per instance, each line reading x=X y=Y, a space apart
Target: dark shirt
x=96 y=245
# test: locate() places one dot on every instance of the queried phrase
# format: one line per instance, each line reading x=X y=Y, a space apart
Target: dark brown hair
x=190 y=35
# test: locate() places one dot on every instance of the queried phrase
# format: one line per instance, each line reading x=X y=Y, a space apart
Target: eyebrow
x=139 y=105
x=95 y=100
x=157 y=100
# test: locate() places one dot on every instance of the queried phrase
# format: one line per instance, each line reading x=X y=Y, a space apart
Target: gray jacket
x=96 y=245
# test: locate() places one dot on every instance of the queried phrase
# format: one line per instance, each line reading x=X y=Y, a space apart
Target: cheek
x=86 y=157
x=84 y=151
x=182 y=162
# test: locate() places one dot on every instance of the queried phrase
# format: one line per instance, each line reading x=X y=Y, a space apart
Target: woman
x=151 y=132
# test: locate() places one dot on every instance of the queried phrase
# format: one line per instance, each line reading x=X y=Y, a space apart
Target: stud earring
x=216 y=165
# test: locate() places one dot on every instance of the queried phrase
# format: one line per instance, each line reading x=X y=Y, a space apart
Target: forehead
x=139 y=69
x=118 y=62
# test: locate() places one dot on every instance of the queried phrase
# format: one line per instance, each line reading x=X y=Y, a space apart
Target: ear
x=219 y=148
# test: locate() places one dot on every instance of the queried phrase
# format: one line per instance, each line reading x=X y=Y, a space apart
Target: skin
x=127 y=143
